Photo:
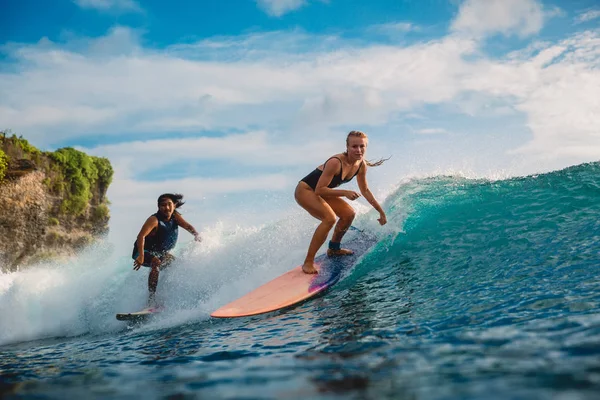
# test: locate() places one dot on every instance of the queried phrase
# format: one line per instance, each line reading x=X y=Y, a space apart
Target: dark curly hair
x=176 y=198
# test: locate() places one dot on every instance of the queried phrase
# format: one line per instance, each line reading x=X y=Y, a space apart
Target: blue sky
x=179 y=21
x=232 y=102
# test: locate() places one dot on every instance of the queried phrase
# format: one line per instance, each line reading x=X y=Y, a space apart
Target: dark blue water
x=490 y=290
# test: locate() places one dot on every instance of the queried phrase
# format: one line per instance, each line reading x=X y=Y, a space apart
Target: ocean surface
x=475 y=289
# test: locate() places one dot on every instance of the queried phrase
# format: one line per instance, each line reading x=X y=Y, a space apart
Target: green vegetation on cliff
x=24 y=145
x=3 y=164
x=53 y=203
x=79 y=179
x=81 y=172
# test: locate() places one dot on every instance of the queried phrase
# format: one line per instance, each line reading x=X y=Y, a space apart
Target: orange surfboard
x=295 y=286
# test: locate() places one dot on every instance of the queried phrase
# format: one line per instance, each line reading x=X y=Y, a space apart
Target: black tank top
x=164 y=238
x=312 y=178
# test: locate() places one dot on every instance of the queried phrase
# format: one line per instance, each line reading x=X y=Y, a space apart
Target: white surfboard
x=139 y=315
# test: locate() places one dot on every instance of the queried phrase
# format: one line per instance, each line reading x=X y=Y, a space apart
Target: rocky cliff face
x=51 y=203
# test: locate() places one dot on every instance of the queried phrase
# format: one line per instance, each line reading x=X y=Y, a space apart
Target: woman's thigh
x=315 y=205
x=340 y=207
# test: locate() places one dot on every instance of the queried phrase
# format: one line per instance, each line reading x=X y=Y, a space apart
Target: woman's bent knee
x=329 y=220
x=348 y=216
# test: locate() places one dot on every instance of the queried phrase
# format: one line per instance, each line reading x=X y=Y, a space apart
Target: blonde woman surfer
x=317 y=194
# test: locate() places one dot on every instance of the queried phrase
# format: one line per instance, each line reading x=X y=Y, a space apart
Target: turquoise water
x=478 y=289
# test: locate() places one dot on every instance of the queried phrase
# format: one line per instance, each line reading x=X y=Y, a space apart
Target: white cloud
x=557 y=91
x=249 y=149
x=432 y=131
x=277 y=8
x=255 y=46
x=140 y=91
x=110 y=5
x=394 y=29
x=123 y=190
x=588 y=16
x=113 y=86
x=479 y=18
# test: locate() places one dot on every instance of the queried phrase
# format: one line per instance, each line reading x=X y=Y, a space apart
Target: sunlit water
x=476 y=289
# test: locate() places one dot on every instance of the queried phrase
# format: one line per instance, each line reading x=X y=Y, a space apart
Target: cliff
x=51 y=203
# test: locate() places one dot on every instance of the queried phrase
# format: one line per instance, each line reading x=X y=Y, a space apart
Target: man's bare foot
x=340 y=252
x=309 y=268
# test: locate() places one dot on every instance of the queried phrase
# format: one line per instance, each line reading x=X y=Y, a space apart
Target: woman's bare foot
x=340 y=252
x=309 y=268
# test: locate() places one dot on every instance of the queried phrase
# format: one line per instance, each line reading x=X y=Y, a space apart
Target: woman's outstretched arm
x=364 y=189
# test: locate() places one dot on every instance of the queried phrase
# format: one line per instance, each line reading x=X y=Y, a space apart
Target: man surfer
x=157 y=236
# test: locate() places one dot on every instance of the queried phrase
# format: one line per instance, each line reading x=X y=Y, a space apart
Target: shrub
x=105 y=170
x=3 y=164
x=100 y=213
x=24 y=145
x=80 y=171
x=74 y=205
x=58 y=187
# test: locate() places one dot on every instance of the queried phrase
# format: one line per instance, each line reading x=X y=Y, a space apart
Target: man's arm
x=187 y=226
x=150 y=224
